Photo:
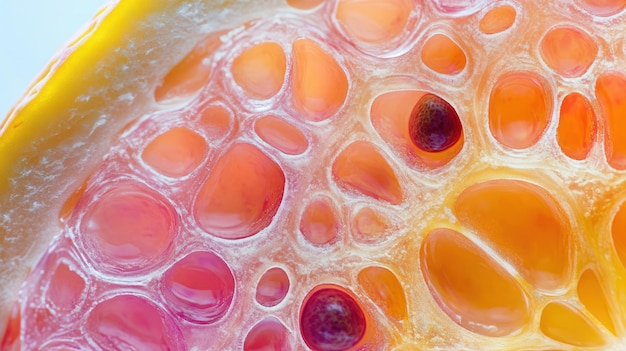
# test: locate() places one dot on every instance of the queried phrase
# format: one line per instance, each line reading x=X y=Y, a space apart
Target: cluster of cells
x=352 y=175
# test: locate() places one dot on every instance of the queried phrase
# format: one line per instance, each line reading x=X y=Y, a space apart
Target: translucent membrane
x=128 y=228
x=592 y=296
x=319 y=84
x=331 y=319
x=129 y=322
x=577 y=129
x=199 y=287
x=497 y=19
x=384 y=288
x=361 y=167
x=374 y=21
x=241 y=195
x=618 y=232
x=568 y=50
x=519 y=109
x=473 y=289
x=281 y=134
x=525 y=223
x=563 y=323
x=611 y=95
x=603 y=8
x=66 y=288
x=267 y=335
x=191 y=73
x=319 y=223
x=176 y=152
x=369 y=226
x=260 y=70
x=443 y=55
x=390 y=114
x=272 y=287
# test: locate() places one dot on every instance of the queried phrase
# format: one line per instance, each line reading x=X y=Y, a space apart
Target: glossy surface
x=215 y=175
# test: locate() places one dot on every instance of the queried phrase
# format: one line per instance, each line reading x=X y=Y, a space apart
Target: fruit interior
x=269 y=195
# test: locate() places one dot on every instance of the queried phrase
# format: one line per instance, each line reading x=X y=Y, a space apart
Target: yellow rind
x=58 y=132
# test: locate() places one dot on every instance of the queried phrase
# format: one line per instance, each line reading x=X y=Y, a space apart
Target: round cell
x=369 y=226
x=384 y=288
x=176 y=152
x=199 y=287
x=568 y=50
x=434 y=125
x=260 y=70
x=331 y=320
x=272 y=287
x=66 y=288
x=374 y=21
x=497 y=19
x=319 y=222
x=319 y=84
x=443 y=55
x=361 y=167
x=267 y=335
x=241 y=195
x=128 y=228
x=282 y=135
x=566 y=324
x=576 y=132
x=603 y=8
x=519 y=109
x=471 y=287
x=611 y=96
x=129 y=322
x=524 y=223
x=390 y=114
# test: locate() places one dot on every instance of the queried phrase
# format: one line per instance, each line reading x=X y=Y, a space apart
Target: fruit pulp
x=269 y=195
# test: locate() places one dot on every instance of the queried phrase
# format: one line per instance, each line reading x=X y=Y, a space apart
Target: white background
x=31 y=31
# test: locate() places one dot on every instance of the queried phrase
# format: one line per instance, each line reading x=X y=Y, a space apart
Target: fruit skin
x=59 y=130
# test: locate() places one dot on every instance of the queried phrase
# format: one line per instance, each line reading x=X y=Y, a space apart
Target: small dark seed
x=332 y=320
x=434 y=125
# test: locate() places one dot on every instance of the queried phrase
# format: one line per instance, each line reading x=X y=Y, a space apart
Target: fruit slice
x=251 y=176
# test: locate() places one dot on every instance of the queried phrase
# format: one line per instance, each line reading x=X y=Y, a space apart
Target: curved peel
x=59 y=130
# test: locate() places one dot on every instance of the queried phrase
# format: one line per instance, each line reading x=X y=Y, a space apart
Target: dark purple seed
x=434 y=125
x=331 y=320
